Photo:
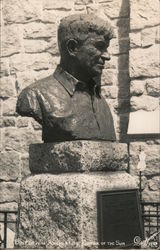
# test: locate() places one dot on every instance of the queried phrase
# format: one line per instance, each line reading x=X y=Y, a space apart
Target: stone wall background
x=29 y=52
x=144 y=59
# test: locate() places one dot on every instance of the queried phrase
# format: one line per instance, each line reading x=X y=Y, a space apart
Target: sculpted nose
x=106 y=56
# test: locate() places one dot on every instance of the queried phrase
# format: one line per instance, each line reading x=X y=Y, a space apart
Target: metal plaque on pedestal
x=120 y=219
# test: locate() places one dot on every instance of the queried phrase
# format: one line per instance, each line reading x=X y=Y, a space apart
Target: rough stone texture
x=120 y=46
x=7 y=87
x=82 y=2
x=135 y=40
x=110 y=91
x=157 y=40
x=62 y=211
x=23 y=79
x=154 y=183
x=143 y=59
x=1 y=122
x=29 y=76
x=1 y=107
x=17 y=11
x=112 y=64
x=12 y=140
x=9 y=106
x=9 y=192
x=109 y=77
x=38 y=62
x=53 y=15
x=62 y=5
x=12 y=206
x=35 y=46
x=20 y=139
x=78 y=156
x=148 y=36
x=25 y=171
x=9 y=122
x=11 y=40
x=137 y=87
x=22 y=122
x=53 y=47
x=150 y=196
x=153 y=87
x=39 y=30
x=116 y=8
x=1 y=139
x=144 y=102
x=144 y=13
x=27 y=62
x=4 y=67
x=17 y=63
x=9 y=165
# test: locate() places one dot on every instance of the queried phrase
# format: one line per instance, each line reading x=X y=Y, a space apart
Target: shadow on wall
x=123 y=70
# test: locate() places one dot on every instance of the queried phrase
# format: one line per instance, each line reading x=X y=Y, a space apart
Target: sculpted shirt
x=67 y=109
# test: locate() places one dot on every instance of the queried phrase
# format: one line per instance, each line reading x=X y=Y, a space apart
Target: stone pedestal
x=60 y=210
x=78 y=156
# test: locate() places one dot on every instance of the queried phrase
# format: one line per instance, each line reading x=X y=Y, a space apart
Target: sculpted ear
x=72 y=46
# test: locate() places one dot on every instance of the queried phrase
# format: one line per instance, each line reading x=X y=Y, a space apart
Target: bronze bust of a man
x=69 y=104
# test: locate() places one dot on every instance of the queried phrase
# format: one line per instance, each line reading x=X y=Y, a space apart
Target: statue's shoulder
x=43 y=84
x=28 y=100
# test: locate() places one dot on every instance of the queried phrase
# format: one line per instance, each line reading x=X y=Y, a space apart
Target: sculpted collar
x=71 y=84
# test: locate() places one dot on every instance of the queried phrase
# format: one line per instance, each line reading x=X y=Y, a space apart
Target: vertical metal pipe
x=143 y=220
x=157 y=213
x=149 y=224
x=128 y=149
x=5 y=230
x=140 y=185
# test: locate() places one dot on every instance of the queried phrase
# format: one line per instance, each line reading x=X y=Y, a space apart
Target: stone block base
x=78 y=156
x=60 y=211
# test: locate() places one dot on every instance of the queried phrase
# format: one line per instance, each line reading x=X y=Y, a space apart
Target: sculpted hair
x=79 y=26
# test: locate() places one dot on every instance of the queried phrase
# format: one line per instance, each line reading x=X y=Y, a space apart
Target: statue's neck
x=75 y=71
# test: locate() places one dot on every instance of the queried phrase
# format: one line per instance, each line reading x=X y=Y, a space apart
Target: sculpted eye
x=101 y=46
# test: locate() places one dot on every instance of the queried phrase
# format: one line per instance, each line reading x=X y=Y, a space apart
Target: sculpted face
x=92 y=54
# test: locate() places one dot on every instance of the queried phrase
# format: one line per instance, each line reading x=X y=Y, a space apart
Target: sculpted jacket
x=67 y=109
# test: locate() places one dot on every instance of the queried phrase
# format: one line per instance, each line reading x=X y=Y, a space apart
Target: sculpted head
x=83 y=41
